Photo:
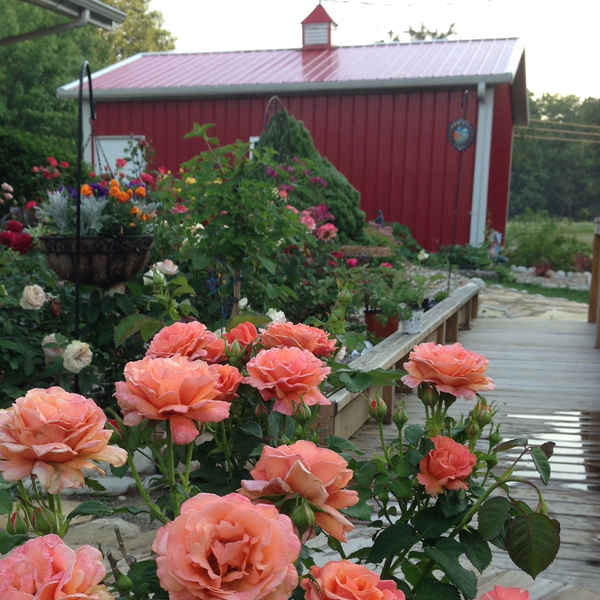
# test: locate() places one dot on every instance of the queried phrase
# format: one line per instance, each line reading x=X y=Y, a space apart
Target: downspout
x=83 y=19
x=483 y=148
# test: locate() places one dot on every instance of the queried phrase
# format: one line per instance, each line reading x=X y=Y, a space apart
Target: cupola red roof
x=319 y=15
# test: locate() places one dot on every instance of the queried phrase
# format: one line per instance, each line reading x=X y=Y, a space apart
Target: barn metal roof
x=347 y=68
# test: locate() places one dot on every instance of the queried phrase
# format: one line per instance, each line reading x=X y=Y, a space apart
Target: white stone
x=113 y=485
x=570 y=275
x=495 y=286
x=521 y=269
x=531 y=270
x=551 y=273
x=479 y=282
x=143 y=464
x=560 y=274
x=513 y=267
x=524 y=291
x=122 y=498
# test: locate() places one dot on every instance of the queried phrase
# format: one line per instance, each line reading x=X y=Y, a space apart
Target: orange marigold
x=123 y=197
x=114 y=191
x=114 y=183
x=140 y=192
x=135 y=211
x=86 y=190
x=131 y=224
x=130 y=193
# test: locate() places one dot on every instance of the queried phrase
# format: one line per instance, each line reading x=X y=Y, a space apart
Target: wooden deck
x=548 y=388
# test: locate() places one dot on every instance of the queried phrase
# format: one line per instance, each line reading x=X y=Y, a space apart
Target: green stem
x=153 y=508
x=384 y=447
x=225 y=448
x=188 y=462
x=171 y=467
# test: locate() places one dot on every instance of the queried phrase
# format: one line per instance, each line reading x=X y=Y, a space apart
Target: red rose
x=6 y=238
x=52 y=161
x=35 y=169
x=31 y=204
x=21 y=243
x=14 y=226
x=64 y=164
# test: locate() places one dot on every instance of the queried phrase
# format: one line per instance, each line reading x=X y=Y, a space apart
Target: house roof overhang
x=101 y=15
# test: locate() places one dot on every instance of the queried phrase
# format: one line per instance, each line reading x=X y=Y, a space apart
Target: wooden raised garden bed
x=348 y=411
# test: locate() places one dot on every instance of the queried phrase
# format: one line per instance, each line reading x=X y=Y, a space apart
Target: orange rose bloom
x=140 y=192
x=288 y=375
x=343 y=580
x=290 y=335
x=45 y=568
x=317 y=474
x=86 y=190
x=123 y=197
x=245 y=334
x=54 y=434
x=228 y=382
x=188 y=339
x=226 y=548
x=176 y=389
x=446 y=467
x=502 y=593
x=451 y=369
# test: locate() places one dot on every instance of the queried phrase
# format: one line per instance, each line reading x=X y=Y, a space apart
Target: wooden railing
x=594 y=309
x=348 y=411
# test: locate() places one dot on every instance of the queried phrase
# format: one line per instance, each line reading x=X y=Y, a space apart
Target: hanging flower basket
x=103 y=262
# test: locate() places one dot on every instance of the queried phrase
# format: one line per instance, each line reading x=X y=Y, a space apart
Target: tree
x=426 y=34
x=142 y=30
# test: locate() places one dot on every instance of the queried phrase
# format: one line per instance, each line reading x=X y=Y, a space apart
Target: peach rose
x=191 y=339
x=502 y=593
x=289 y=375
x=245 y=334
x=343 y=580
x=54 y=434
x=45 y=568
x=290 y=335
x=451 y=369
x=446 y=467
x=317 y=474
x=177 y=389
x=227 y=548
x=228 y=382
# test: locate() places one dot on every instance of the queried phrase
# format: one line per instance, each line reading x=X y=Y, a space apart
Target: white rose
x=51 y=347
x=153 y=277
x=243 y=303
x=167 y=267
x=119 y=288
x=77 y=356
x=33 y=297
x=277 y=316
x=423 y=255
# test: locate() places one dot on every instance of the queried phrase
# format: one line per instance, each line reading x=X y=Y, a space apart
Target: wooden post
x=440 y=334
x=237 y=290
x=593 y=309
x=466 y=314
x=475 y=306
x=452 y=328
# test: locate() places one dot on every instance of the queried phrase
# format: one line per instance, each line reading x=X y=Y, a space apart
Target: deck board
x=548 y=388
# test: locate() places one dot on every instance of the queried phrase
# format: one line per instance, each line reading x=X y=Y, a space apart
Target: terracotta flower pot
x=103 y=262
x=375 y=326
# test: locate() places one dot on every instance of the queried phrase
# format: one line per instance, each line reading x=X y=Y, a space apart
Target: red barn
x=379 y=113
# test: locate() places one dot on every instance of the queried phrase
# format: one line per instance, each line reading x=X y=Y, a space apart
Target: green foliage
x=560 y=177
x=20 y=151
x=538 y=240
x=342 y=199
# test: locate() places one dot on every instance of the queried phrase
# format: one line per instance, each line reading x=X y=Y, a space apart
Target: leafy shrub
x=466 y=257
x=538 y=239
x=339 y=195
x=20 y=151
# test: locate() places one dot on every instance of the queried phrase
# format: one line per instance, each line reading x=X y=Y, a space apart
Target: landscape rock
x=114 y=487
x=560 y=275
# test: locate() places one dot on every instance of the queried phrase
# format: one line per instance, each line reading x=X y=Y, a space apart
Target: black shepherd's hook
x=85 y=68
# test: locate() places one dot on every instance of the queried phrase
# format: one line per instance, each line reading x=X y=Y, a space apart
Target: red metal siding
x=391 y=146
x=500 y=159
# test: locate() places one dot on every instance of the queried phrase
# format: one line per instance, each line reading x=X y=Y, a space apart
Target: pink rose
x=327 y=232
x=446 y=467
x=387 y=265
x=352 y=262
x=307 y=220
x=45 y=568
x=290 y=376
x=502 y=593
x=245 y=334
x=176 y=389
x=226 y=548
x=121 y=162
x=451 y=369
x=314 y=473
x=228 y=382
x=292 y=208
x=289 y=335
x=54 y=434
x=343 y=580
x=191 y=339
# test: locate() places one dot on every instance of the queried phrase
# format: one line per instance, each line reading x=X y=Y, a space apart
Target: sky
x=562 y=45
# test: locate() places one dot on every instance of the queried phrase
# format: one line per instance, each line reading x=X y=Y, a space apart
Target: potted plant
x=117 y=220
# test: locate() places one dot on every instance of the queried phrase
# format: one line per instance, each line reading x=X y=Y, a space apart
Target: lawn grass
x=583 y=231
x=532 y=288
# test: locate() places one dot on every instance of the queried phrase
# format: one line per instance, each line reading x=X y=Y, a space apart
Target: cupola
x=317 y=29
